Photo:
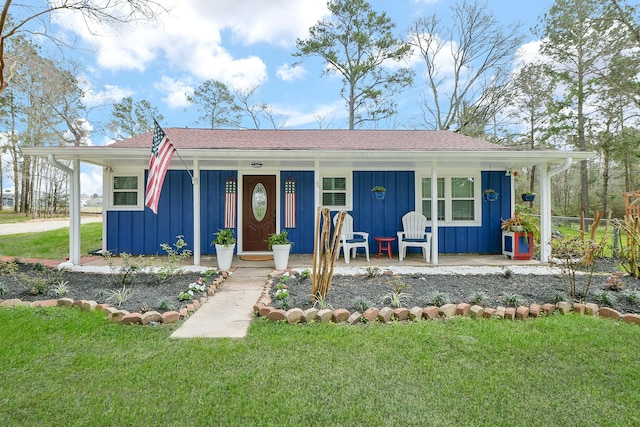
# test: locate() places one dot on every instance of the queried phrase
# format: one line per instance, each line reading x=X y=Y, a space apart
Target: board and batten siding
x=302 y=235
x=384 y=217
x=142 y=232
x=212 y=195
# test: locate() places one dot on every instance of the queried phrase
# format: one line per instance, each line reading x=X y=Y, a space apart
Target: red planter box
x=517 y=245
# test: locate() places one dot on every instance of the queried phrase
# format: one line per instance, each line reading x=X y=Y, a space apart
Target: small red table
x=384 y=244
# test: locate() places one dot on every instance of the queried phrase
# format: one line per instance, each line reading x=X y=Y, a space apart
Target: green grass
x=10 y=217
x=69 y=367
x=50 y=244
x=573 y=231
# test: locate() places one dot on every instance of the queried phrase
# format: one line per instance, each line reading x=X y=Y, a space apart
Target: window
x=126 y=192
x=457 y=199
x=335 y=192
x=462 y=199
x=426 y=198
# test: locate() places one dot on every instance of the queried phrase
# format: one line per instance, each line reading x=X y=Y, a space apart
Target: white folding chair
x=414 y=235
x=351 y=240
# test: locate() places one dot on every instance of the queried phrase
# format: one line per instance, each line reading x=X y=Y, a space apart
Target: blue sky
x=242 y=43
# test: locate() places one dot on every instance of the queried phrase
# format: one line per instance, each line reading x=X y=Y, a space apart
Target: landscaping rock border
x=123 y=316
x=262 y=308
x=338 y=316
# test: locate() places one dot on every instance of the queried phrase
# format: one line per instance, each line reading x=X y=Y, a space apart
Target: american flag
x=162 y=152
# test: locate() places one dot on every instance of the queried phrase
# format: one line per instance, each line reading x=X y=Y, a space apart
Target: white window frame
x=448 y=199
x=140 y=191
x=348 y=190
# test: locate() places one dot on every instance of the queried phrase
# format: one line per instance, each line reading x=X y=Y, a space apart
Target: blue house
x=258 y=182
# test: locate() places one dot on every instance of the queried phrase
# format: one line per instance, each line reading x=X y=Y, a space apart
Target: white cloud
x=257 y=21
x=188 y=38
x=328 y=113
x=109 y=94
x=91 y=179
x=529 y=53
x=240 y=73
x=176 y=91
x=289 y=73
x=108 y=141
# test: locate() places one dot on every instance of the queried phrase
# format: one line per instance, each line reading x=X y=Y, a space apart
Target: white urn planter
x=224 y=255
x=281 y=256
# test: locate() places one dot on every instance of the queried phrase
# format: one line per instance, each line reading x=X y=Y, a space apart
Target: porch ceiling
x=309 y=159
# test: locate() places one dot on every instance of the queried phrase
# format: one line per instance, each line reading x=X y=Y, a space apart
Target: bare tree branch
x=462 y=62
x=15 y=18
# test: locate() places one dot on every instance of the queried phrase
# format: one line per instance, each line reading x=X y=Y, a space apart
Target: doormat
x=256 y=257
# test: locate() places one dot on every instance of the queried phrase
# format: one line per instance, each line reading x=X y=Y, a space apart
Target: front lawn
x=52 y=244
x=69 y=367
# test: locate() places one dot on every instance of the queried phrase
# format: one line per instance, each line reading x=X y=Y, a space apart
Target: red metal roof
x=316 y=139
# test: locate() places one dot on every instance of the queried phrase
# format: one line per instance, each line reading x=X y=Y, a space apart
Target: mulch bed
x=355 y=293
x=147 y=291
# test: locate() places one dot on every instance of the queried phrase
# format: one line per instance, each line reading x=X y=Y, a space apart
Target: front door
x=259 y=211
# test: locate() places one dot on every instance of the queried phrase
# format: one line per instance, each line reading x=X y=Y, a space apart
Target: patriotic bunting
x=230 y=194
x=290 y=203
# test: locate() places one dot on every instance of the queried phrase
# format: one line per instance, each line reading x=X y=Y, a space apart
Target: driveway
x=37 y=225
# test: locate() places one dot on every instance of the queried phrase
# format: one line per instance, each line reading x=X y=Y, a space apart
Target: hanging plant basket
x=528 y=197
x=491 y=195
x=378 y=192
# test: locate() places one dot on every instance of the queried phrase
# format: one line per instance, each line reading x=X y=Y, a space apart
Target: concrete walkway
x=230 y=311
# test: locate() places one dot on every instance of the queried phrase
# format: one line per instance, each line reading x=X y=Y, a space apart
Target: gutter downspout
x=74 y=206
x=545 y=206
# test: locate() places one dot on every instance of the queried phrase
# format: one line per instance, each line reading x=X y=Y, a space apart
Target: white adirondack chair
x=414 y=235
x=351 y=240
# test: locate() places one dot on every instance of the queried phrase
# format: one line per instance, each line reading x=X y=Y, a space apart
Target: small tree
x=130 y=119
x=357 y=43
x=577 y=253
x=217 y=104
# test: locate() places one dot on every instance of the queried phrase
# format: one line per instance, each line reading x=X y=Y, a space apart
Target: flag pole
x=181 y=159
x=186 y=167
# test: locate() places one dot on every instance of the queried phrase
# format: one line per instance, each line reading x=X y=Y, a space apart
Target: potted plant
x=378 y=192
x=525 y=228
x=522 y=222
x=491 y=195
x=280 y=244
x=528 y=196
x=225 y=244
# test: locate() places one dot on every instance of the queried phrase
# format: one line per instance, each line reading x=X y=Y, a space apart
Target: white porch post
x=545 y=206
x=74 y=206
x=545 y=213
x=106 y=204
x=434 y=213
x=316 y=187
x=74 y=226
x=316 y=204
x=196 y=213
